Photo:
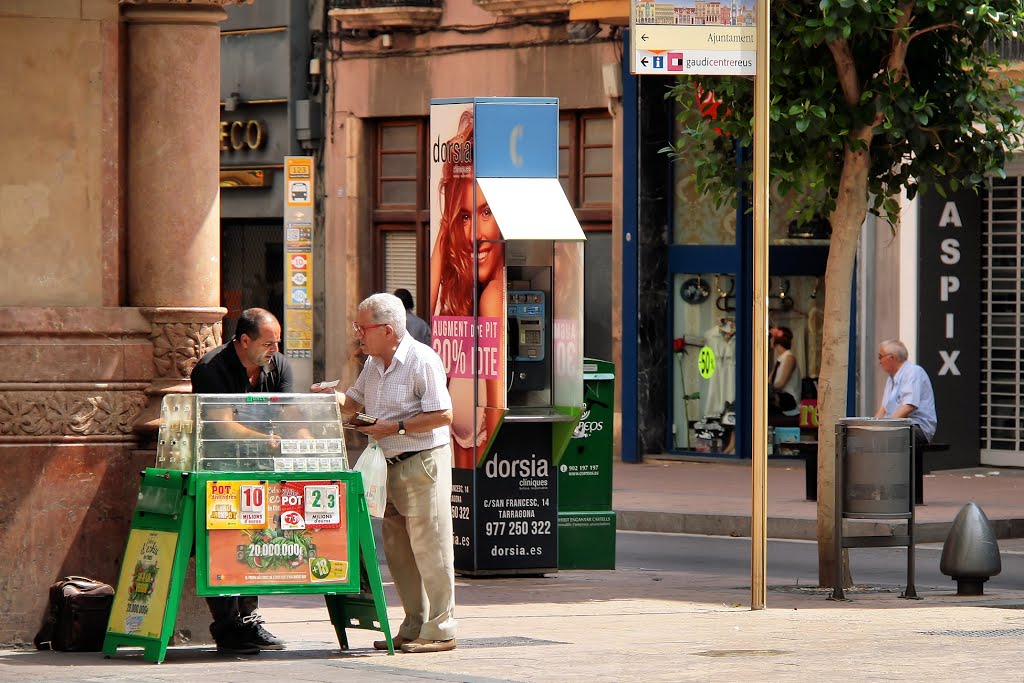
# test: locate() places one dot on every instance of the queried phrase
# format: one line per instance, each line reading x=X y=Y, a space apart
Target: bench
x=809 y=450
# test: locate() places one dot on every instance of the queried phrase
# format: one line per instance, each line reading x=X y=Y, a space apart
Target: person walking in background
x=251 y=362
x=908 y=391
x=403 y=385
x=414 y=325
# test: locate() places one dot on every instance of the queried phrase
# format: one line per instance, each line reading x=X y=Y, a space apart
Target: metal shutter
x=1002 y=366
x=400 y=261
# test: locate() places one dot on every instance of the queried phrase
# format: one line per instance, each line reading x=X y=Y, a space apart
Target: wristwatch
x=401 y=427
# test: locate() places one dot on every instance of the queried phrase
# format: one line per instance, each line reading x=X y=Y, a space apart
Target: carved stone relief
x=177 y=347
x=69 y=413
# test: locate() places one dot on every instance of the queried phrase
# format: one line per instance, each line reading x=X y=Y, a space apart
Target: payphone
x=514 y=417
x=526 y=325
x=527 y=341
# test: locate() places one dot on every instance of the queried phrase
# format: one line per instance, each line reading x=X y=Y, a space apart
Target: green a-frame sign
x=173 y=511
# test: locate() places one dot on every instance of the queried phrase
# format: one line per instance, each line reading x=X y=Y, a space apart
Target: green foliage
x=941 y=117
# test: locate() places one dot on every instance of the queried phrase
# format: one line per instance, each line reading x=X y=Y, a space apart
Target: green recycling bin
x=586 y=522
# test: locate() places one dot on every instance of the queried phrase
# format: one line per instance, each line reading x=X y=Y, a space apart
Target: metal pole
x=911 y=591
x=837 y=534
x=759 y=452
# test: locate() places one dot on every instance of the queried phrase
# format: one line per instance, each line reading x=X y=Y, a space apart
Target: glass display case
x=251 y=433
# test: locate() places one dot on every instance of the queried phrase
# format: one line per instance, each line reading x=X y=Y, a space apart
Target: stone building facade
x=109 y=269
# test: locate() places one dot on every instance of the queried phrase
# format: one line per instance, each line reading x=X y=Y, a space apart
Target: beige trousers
x=417 y=530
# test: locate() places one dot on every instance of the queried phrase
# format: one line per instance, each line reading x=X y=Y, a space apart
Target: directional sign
x=670 y=37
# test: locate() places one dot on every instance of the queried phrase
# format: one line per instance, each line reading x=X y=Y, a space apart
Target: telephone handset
x=526 y=325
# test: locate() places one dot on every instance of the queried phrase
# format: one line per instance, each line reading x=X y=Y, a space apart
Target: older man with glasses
x=908 y=393
x=403 y=384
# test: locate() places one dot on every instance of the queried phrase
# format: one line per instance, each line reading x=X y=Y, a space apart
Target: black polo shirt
x=220 y=371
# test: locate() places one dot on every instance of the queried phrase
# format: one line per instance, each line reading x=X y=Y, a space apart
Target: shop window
x=705 y=354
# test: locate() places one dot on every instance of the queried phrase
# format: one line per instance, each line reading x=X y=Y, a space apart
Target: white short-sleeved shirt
x=911 y=386
x=414 y=383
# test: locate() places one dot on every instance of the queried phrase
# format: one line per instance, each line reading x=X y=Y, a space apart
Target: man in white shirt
x=403 y=385
x=908 y=391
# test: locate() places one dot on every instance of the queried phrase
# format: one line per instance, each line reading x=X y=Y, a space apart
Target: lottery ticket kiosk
x=507 y=320
x=260 y=484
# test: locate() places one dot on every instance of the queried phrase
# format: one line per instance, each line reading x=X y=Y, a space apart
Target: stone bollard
x=971 y=553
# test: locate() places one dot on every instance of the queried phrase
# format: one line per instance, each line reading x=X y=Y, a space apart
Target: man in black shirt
x=250 y=363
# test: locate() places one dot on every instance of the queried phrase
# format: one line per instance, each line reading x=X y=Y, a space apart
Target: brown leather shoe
x=397 y=641
x=424 y=645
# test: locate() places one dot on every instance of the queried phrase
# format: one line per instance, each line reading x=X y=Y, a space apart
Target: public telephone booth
x=507 y=320
x=261 y=484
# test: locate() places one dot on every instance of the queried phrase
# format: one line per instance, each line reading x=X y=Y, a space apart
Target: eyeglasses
x=883 y=355
x=359 y=329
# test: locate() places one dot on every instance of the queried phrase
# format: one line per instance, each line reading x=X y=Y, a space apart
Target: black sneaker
x=234 y=638
x=259 y=636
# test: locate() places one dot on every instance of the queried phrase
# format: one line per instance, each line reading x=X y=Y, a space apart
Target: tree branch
x=948 y=24
x=846 y=69
x=897 y=59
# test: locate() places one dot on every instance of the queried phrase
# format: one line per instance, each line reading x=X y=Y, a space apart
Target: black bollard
x=971 y=553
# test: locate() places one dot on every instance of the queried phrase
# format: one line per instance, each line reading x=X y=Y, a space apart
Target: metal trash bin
x=874 y=480
x=877 y=465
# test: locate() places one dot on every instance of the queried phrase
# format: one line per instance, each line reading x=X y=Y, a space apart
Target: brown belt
x=395 y=459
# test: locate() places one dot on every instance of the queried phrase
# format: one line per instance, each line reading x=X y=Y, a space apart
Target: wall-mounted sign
x=299 y=211
x=237 y=136
x=670 y=37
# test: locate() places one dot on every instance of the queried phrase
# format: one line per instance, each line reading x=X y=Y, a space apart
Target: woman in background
x=784 y=384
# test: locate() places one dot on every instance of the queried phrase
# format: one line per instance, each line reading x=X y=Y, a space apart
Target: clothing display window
x=706 y=345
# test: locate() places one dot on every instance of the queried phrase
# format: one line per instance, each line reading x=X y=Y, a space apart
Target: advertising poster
x=236 y=505
x=516 y=513
x=467 y=286
x=141 y=597
x=287 y=551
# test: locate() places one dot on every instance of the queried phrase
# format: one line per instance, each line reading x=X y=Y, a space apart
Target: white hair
x=387 y=309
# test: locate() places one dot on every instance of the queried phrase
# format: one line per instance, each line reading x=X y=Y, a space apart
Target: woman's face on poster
x=491 y=252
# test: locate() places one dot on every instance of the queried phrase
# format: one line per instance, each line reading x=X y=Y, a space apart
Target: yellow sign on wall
x=141 y=596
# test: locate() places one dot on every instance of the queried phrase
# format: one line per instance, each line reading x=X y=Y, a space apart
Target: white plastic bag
x=374 y=468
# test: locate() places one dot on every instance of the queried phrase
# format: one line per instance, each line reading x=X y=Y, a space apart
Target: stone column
x=172 y=180
x=173 y=91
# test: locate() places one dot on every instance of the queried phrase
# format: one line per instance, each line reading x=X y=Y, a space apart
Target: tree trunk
x=849 y=215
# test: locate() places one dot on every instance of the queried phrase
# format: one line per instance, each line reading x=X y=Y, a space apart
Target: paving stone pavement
x=633 y=624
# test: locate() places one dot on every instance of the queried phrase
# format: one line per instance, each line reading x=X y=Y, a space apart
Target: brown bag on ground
x=76 y=620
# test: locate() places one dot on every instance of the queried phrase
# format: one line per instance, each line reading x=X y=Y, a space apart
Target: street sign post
x=693 y=37
x=678 y=37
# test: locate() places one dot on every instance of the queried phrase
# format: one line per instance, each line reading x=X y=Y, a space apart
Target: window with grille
x=585 y=159
x=399 y=163
x=401 y=208
x=1002 y=342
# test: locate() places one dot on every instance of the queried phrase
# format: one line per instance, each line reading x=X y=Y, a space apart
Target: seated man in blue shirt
x=908 y=391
